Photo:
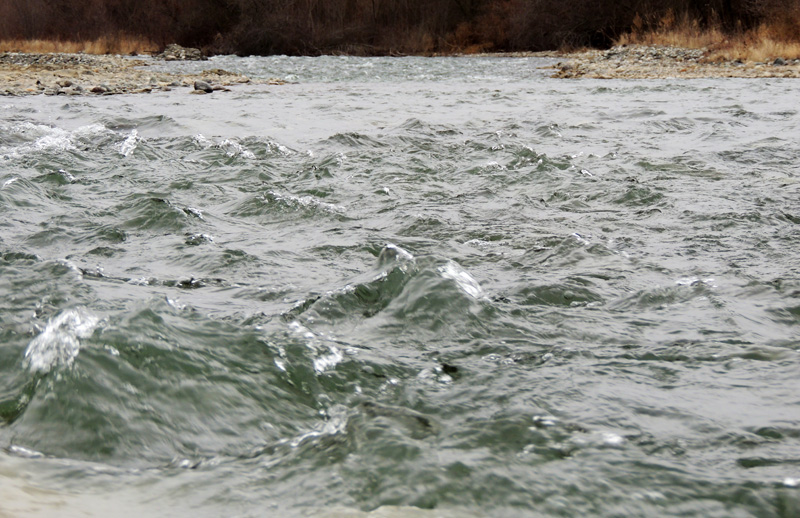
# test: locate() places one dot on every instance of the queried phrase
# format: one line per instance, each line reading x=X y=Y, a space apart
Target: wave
x=60 y=341
x=425 y=290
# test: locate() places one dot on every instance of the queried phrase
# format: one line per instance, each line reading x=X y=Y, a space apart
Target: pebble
x=84 y=74
x=174 y=52
x=655 y=61
x=203 y=86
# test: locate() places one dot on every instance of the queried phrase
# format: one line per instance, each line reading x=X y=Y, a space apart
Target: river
x=402 y=287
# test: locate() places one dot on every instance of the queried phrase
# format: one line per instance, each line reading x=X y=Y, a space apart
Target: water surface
x=446 y=284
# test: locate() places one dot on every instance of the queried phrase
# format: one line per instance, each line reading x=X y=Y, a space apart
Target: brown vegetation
x=731 y=28
x=102 y=45
x=776 y=35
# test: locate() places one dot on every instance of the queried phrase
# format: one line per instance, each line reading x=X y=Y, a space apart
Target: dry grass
x=673 y=31
x=104 y=45
x=764 y=43
x=759 y=44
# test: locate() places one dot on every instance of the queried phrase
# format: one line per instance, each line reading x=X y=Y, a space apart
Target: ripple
x=486 y=291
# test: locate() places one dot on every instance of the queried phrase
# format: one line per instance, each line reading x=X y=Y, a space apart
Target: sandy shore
x=83 y=74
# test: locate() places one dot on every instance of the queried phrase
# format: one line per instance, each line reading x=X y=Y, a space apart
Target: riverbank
x=662 y=62
x=85 y=74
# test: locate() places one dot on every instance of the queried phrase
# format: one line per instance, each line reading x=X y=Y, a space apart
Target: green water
x=455 y=286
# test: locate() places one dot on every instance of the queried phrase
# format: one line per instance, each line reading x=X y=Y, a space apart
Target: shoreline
x=86 y=74
x=24 y=74
x=665 y=62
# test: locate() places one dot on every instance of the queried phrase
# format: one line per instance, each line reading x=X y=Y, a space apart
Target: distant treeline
x=373 y=26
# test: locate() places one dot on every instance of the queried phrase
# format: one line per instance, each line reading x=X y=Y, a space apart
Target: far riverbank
x=661 y=62
x=84 y=74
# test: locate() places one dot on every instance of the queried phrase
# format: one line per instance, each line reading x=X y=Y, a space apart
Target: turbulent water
x=431 y=287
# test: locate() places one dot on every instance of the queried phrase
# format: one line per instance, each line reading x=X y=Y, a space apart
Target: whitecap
x=544 y=421
x=59 y=342
x=452 y=270
x=21 y=451
x=322 y=361
x=612 y=439
x=600 y=440
x=233 y=148
x=66 y=175
x=202 y=141
x=58 y=140
x=695 y=281
x=305 y=202
x=391 y=253
x=127 y=146
x=280 y=148
x=90 y=130
x=41 y=137
x=302 y=330
x=176 y=304
x=581 y=239
x=335 y=423
x=327 y=361
x=195 y=212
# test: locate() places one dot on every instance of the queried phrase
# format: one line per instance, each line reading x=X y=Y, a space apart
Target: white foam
x=59 y=342
x=580 y=238
x=21 y=451
x=66 y=175
x=195 y=212
x=280 y=148
x=42 y=137
x=544 y=421
x=452 y=270
x=322 y=360
x=233 y=148
x=176 y=304
x=306 y=201
x=127 y=146
x=91 y=131
x=335 y=423
x=612 y=439
x=392 y=253
x=58 y=140
x=327 y=361
x=202 y=141
x=695 y=281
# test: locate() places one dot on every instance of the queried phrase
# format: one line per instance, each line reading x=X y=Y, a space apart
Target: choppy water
x=452 y=284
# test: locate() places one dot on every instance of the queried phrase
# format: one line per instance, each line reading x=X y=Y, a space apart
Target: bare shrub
x=393 y=26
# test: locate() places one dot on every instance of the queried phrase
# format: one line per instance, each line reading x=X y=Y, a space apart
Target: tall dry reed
x=103 y=45
x=774 y=38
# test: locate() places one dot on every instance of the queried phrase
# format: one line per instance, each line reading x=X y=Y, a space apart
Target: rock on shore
x=654 y=62
x=175 y=52
x=84 y=74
